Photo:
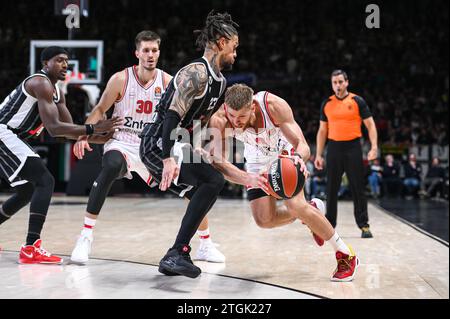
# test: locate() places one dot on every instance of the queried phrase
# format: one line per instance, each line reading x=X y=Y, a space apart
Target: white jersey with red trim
x=137 y=104
x=265 y=144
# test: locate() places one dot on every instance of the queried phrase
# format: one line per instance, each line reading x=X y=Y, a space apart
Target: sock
x=35 y=224
x=338 y=244
x=88 y=228
x=204 y=236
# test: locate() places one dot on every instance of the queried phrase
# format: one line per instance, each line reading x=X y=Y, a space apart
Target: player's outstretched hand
x=109 y=125
x=81 y=145
x=170 y=172
x=257 y=181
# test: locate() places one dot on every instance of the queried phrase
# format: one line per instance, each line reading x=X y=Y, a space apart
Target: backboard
x=85 y=59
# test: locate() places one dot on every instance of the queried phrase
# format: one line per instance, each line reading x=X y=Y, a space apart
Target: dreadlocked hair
x=217 y=25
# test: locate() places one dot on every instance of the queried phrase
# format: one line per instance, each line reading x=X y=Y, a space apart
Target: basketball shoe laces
x=343 y=265
x=43 y=252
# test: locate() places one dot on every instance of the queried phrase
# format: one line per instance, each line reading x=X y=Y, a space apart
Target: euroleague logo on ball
x=284 y=178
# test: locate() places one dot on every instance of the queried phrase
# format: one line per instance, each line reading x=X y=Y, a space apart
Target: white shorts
x=257 y=168
x=131 y=154
x=13 y=155
x=262 y=165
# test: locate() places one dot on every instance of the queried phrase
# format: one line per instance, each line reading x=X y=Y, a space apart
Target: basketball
x=284 y=178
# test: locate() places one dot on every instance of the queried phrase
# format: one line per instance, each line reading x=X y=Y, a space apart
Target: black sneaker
x=177 y=261
x=166 y=272
x=366 y=232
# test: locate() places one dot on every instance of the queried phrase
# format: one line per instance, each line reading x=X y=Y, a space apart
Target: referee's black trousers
x=346 y=157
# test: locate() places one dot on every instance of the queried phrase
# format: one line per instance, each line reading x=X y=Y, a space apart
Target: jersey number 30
x=144 y=107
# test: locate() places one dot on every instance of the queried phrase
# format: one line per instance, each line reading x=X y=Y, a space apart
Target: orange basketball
x=284 y=178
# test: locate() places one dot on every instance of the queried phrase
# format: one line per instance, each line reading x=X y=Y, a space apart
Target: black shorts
x=188 y=180
x=255 y=193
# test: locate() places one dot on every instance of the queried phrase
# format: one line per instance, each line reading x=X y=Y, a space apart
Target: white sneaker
x=80 y=253
x=320 y=205
x=209 y=252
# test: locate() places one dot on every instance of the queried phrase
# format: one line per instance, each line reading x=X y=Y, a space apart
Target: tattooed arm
x=191 y=82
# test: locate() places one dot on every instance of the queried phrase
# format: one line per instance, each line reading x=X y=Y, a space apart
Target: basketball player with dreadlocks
x=37 y=103
x=265 y=124
x=134 y=92
x=188 y=103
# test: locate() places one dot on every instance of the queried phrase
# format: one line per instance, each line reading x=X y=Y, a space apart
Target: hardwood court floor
x=132 y=234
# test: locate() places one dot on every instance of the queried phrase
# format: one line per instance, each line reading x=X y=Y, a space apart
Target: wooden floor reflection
x=132 y=234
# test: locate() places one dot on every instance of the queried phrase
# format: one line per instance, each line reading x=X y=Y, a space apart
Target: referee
x=341 y=116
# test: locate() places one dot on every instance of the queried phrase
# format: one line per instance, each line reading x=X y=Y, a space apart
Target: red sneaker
x=35 y=254
x=346 y=266
x=317 y=203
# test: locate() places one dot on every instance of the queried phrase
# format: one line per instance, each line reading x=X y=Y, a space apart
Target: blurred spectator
x=392 y=184
x=407 y=75
x=344 y=189
x=317 y=180
x=375 y=178
x=434 y=180
x=308 y=182
x=413 y=172
x=445 y=185
x=401 y=69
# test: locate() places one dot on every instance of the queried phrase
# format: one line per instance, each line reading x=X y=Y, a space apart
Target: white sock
x=88 y=228
x=204 y=236
x=338 y=244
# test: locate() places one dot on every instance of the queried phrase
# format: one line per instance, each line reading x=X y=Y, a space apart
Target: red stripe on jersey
x=139 y=81
x=124 y=89
x=262 y=114
x=266 y=105
x=36 y=130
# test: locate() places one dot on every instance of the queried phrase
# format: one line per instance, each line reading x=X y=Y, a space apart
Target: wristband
x=89 y=129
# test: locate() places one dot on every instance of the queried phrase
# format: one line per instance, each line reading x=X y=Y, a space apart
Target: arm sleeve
x=323 y=117
x=363 y=108
x=171 y=122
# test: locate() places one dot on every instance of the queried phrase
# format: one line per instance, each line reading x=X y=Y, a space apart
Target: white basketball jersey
x=137 y=104
x=264 y=145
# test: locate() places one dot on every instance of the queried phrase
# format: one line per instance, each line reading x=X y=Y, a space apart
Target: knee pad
x=46 y=181
x=115 y=163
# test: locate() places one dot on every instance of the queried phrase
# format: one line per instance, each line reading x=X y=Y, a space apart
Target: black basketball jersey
x=202 y=108
x=19 y=111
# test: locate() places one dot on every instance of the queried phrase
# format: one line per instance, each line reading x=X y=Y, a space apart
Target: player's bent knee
x=46 y=180
x=263 y=220
x=114 y=163
x=264 y=223
x=298 y=205
x=217 y=182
